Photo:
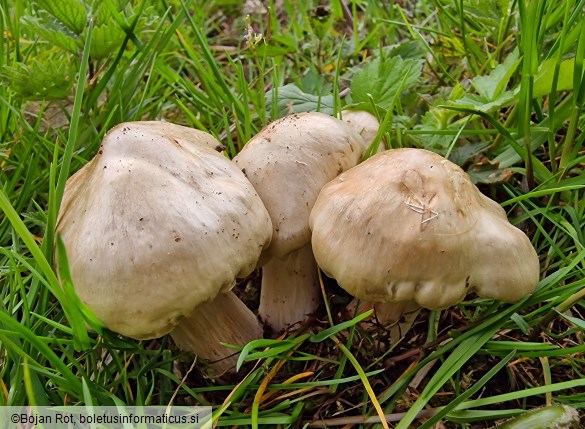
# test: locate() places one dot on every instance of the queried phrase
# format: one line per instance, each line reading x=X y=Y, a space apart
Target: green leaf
x=488 y=13
x=277 y=45
x=268 y=348
x=106 y=39
x=290 y=99
x=492 y=97
x=381 y=80
x=493 y=85
x=469 y=392
x=71 y=13
x=323 y=335
x=483 y=104
x=413 y=49
x=52 y=31
x=453 y=363
x=40 y=80
x=579 y=323
x=544 y=79
x=553 y=417
x=73 y=299
x=428 y=133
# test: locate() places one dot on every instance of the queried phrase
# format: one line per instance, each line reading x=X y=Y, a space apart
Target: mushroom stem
x=290 y=289
x=201 y=333
x=386 y=313
x=394 y=312
x=396 y=317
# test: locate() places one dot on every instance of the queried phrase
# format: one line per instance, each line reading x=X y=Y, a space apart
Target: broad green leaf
x=491 y=86
x=492 y=95
x=52 y=31
x=542 y=87
x=291 y=99
x=72 y=13
x=483 y=104
x=313 y=82
x=488 y=13
x=106 y=39
x=41 y=80
x=412 y=49
x=490 y=175
x=381 y=80
x=544 y=79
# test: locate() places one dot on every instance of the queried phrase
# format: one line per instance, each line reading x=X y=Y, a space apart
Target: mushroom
x=157 y=227
x=288 y=162
x=364 y=122
x=408 y=227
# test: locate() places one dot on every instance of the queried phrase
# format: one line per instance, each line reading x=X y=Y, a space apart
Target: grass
x=497 y=85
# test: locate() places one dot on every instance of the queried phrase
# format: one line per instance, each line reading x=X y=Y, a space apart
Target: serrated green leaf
x=41 y=80
x=291 y=99
x=101 y=13
x=52 y=31
x=492 y=85
x=106 y=39
x=72 y=13
x=381 y=80
x=483 y=104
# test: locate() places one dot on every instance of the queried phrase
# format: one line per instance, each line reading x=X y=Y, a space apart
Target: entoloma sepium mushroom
x=363 y=122
x=409 y=225
x=157 y=228
x=288 y=162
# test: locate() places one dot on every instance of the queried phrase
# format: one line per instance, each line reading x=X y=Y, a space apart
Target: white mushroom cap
x=408 y=224
x=363 y=122
x=289 y=161
x=156 y=224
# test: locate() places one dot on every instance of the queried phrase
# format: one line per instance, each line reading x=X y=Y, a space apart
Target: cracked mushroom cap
x=289 y=161
x=408 y=224
x=156 y=223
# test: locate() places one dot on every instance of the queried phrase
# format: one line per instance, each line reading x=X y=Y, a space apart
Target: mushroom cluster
x=407 y=227
x=157 y=226
x=160 y=224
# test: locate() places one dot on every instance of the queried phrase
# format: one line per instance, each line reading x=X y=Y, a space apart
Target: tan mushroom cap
x=157 y=223
x=289 y=161
x=407 y=224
